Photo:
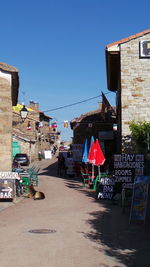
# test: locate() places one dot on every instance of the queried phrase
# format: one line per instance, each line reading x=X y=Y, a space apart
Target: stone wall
x=135 y=84
x=5 y=122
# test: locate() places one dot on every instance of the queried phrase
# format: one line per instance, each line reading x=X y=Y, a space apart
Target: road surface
x=69 y=228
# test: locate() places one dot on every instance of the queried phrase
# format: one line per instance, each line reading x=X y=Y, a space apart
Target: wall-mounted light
x=23 y=113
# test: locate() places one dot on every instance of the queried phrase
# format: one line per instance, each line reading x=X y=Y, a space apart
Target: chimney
x=34 y=105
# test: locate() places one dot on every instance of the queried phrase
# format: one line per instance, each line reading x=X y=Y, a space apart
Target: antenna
x=24 y=97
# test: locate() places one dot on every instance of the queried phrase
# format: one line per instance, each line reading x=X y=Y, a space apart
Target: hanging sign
x=54 y=124
x=29 y=125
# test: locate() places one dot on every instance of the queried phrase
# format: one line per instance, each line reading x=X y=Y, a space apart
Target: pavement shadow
x=128 y=243
x=74 y=182
x=50 y=170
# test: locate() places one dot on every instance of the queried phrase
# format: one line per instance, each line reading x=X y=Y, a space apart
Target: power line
x=69 y=105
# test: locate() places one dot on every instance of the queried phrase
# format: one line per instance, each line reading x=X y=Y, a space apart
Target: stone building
x=25 y=133
x=99 y=124
x=42 y=128
x=128 y=74
x=33 y=135
x=9 y=84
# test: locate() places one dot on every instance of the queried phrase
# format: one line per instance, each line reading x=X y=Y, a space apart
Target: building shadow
x=127 y=243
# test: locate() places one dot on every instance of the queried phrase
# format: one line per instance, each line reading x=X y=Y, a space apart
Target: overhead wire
x=73 y=104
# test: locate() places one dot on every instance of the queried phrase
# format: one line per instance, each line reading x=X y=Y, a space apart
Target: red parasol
x=95 y=156
x=99 y=157
x=92 y=154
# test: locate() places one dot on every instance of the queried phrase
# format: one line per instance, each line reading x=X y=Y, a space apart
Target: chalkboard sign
x=139 y=199
x=105 y=188
x=127 y=166
x=7 y=188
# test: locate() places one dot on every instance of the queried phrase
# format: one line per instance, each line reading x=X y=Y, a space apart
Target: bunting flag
x=29 y=125
x=54 y=124
x=65 y=124
x=41 y=124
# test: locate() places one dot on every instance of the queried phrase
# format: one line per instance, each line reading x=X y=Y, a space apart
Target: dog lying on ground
x=36 y=195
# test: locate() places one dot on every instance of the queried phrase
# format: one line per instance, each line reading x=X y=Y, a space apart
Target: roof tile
x=128 y=38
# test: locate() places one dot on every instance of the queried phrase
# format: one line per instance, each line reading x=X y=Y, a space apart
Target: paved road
x=83 y=232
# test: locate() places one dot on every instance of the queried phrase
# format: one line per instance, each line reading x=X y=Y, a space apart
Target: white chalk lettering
x=107 y=188
x=123 y=172
x=105 y=195
x=127 y=157
x=132 y=165
x=8 y=175
x=127 y=179
x=107 y=181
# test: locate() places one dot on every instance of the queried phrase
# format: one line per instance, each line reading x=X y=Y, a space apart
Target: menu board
x=127 y=166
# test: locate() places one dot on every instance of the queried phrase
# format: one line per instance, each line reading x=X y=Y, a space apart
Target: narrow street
x=73 y=229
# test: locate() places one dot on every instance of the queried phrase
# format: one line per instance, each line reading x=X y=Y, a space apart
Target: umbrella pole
x=92 y=171
x=92 y=174
x=99 y=172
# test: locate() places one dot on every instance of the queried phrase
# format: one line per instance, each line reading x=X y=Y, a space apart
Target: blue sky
x=58 y=47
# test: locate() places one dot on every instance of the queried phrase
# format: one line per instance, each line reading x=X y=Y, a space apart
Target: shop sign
x=106 y=135
x=8 y=175
x=127 y=166
x=7 y=188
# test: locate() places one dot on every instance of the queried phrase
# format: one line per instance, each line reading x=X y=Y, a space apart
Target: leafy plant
x=140 y=131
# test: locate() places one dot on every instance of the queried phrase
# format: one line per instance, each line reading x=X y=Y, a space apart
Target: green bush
x=140 y=131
